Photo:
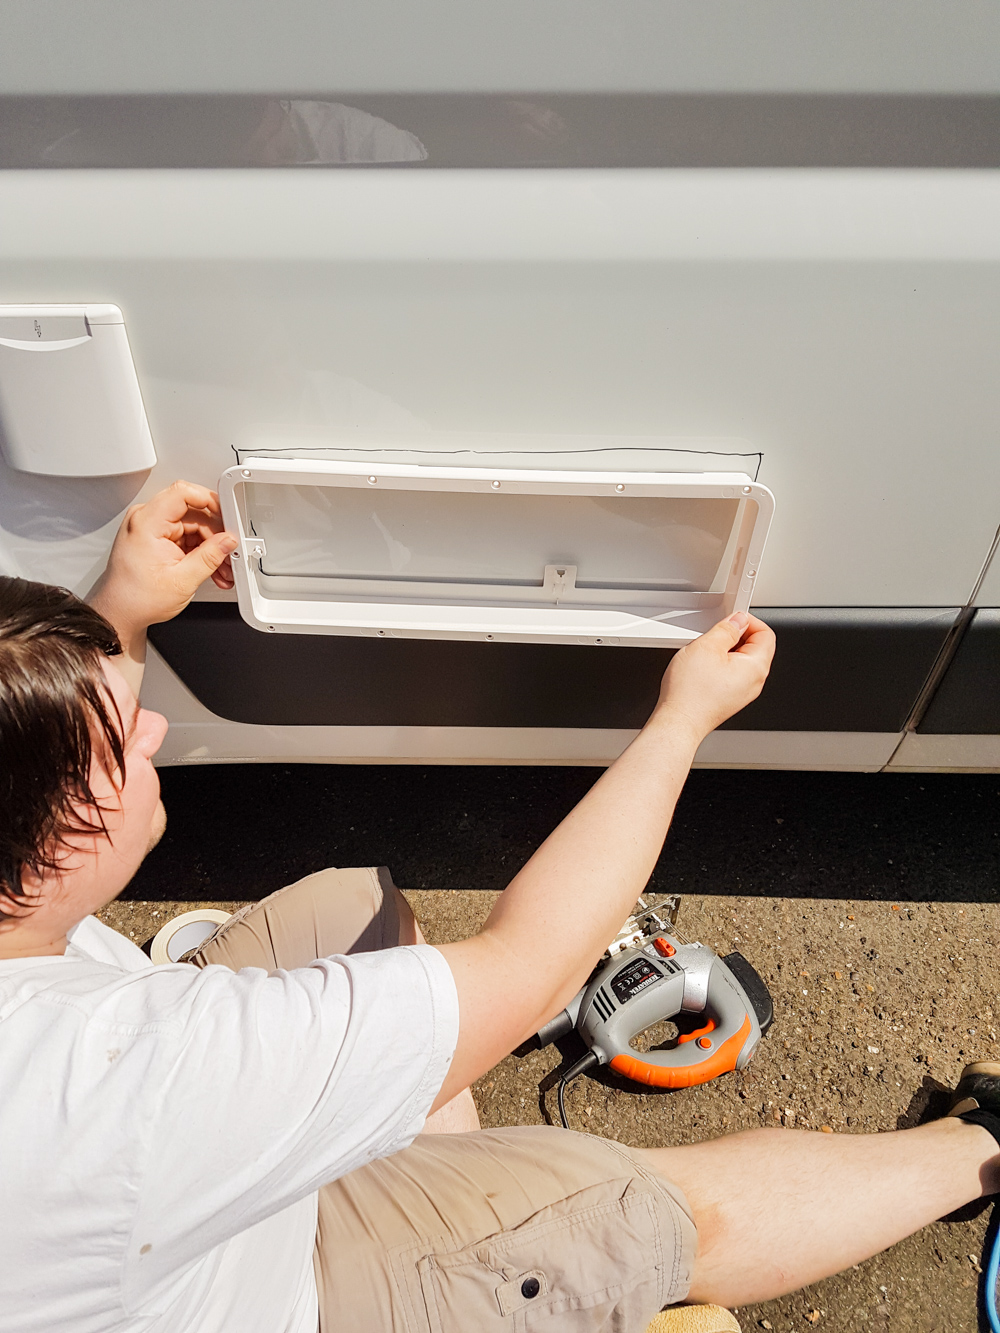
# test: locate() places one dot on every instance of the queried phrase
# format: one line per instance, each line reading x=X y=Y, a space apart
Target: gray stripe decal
x=542 y=130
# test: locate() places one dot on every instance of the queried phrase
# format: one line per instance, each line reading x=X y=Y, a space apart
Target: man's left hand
x=165 y=549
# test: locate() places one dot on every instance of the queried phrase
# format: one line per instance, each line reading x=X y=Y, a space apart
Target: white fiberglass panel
x=455 y=537
x=843 y=324
x=521 y=48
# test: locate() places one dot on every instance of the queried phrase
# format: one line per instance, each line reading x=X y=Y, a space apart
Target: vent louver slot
x=604 y=1005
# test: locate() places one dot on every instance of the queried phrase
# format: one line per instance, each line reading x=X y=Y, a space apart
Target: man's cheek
x=159 y=826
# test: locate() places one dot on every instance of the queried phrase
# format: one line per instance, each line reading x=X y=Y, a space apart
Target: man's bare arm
x=559 y=913
x=165 y=549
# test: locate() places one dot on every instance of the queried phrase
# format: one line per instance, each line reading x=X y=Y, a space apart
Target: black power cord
x=588 y=1061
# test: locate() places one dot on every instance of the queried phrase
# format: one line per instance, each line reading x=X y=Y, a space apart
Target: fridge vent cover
x=645 y=559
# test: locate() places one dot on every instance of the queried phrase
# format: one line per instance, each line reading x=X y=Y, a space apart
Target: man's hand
x=164 y=551
x=717 y=674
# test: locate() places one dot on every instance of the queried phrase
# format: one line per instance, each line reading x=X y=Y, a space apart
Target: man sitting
x=206 y=1148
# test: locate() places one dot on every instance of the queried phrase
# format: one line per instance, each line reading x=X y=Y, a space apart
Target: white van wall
x=837 y=325
x=843 y=324
x=846 y=325
x=302 y=46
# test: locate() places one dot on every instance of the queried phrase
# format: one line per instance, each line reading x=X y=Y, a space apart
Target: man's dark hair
x=55 y=707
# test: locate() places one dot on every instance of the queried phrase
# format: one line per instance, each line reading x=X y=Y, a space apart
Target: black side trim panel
x=835 y=670
x=330 y=680
x=842 y=669
x=967 y=702
x=492 y=130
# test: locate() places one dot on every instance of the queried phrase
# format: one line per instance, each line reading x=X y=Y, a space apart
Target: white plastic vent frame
x=464 y=593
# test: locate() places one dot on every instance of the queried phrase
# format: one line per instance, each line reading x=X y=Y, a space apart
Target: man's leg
x=358 y=910
x=778 y=1209
x=463 y=1222
x=529 y=1227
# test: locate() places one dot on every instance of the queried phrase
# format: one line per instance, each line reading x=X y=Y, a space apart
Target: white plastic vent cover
x=70 y=404
x=635 y=558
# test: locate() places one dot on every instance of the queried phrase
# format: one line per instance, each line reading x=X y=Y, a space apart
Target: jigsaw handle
x=724 y=1042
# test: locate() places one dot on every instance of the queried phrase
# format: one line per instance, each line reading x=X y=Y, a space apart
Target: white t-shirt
x=163 y=1130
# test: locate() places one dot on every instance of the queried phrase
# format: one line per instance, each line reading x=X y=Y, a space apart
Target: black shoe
x=977 y=1097
x=978 y=1089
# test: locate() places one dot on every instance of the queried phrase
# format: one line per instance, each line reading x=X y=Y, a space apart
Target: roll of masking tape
x=185 y=932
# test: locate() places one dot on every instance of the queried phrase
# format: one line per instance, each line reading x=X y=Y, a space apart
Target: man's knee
x=332 y=911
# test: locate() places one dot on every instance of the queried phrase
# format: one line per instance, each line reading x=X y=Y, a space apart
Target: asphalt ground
x=241 y=831
x=868 y=903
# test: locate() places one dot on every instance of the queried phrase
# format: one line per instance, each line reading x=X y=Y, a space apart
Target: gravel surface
x=243 y=830
x=878 y=1004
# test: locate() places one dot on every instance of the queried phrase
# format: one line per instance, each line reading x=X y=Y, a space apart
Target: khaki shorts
x=523 y=1229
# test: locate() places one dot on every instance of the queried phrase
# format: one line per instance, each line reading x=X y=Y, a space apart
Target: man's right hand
x=719 y=673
